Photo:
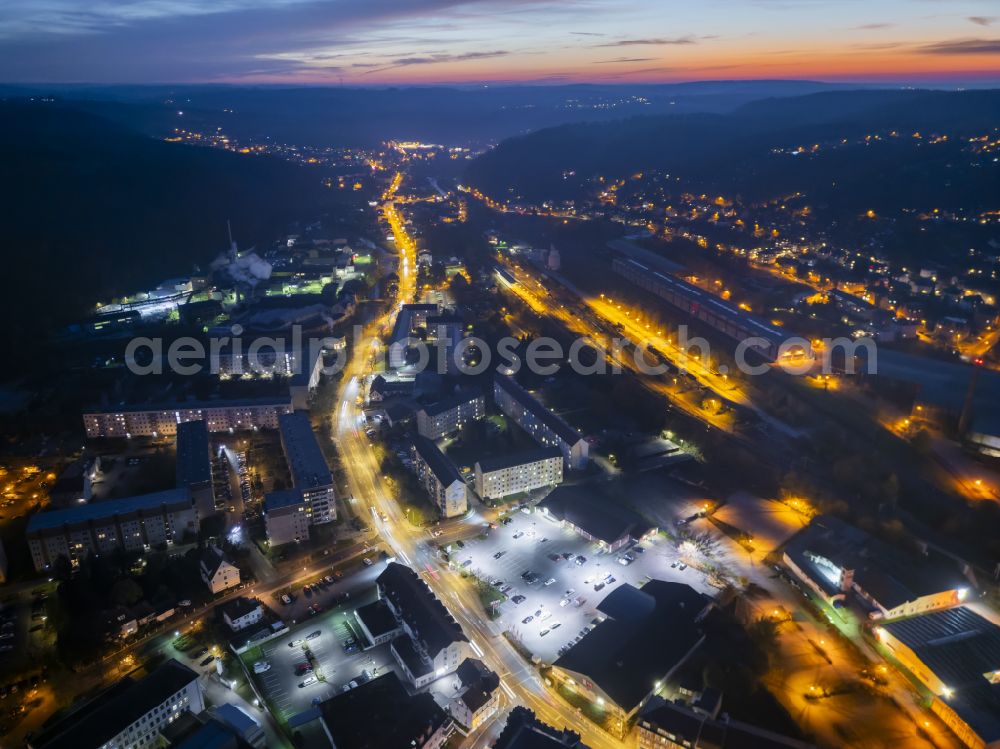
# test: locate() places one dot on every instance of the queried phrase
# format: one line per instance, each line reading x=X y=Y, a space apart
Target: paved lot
x=332 y=665
x=537 y=539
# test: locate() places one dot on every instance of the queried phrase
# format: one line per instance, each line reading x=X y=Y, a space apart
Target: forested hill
x=90 y=210
x=735 y=151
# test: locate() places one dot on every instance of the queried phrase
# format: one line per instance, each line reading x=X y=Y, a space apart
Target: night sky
x=369 y=42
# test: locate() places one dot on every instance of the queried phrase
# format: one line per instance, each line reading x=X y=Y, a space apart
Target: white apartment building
x=505 y=475
x=156 y=421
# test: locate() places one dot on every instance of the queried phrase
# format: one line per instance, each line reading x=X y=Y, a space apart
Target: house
x=242 y=612
x=477 y=696
x=217 y=572
x=524 y=731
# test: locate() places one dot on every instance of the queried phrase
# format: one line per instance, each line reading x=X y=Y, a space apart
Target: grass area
x=488 y=595
x=583 y=705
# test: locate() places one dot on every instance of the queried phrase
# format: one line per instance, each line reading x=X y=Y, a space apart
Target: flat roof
x=101 y=510
x=377 y=617
x=553 y=421
x=520 y=458
x=960 y=647
x=717 y=306
x=625 y=656
x=598 y=516
x=888 y=574
x=306 y=461
x=194 y=463
x=282 y=498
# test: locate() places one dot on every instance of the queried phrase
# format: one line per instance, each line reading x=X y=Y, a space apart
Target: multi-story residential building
x=410 y=319
x=451 y=414
x=440 y=478
x=477 y=697
x=194 y=465
x=955 y=653
x=504 y=475
x=289 y=514
x=837 y=560
x=129 y=715
x=133 y=524
x=217 y=572
x=381 y=714
x=242 y=612
x=162 y=419
x=433 y=644
x=545 y=427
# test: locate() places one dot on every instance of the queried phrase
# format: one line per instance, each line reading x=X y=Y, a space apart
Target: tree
x=126 y=592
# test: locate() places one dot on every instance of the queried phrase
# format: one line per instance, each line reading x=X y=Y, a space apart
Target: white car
x=308 y=681
x=261 y=666
x=549 y=581
x=286 y=599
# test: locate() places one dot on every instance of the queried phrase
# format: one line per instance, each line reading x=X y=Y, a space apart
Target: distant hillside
x=367 y=116
x=732 y=152
x=90 y=210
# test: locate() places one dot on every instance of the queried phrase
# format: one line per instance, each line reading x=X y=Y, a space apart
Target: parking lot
x=332 y=664
x=561 y=602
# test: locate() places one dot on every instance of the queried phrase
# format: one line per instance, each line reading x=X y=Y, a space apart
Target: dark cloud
x=648 y=42
x=964 y=47
x=983 y=20
x=586 y=33
x=625 y=59
x=436 y=58
x=873 y=26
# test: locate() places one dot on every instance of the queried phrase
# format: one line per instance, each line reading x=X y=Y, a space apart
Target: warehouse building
x=956 y=655
x=837 y=560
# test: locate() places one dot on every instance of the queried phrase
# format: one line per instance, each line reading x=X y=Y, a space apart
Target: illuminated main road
x=520 y=682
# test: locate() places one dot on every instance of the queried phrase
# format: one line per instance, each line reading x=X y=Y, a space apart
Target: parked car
x=286 y=599
x=309 y=680
x=207 y=660
x=261 y=666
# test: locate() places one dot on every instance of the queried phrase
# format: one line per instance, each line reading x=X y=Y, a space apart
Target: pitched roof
x=454 y=401
x=524 y=731
x=306 y=461
x=655 y=630
x=423 y=612
x=100 y=720
x=240 y=606
x=212 y=558
x=439 y=463
x=171 y=499
x=556 y=423
x=523 y=457
x=478 y=681
x=194 y=464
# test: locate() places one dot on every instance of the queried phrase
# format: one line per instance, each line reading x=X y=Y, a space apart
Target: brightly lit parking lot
x=304 y=668
x=560 y=604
